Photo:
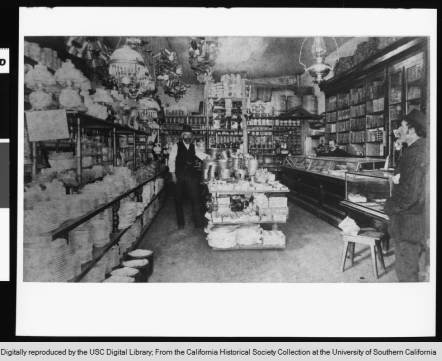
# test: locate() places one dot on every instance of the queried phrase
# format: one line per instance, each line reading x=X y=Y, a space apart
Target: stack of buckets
x=146 y=270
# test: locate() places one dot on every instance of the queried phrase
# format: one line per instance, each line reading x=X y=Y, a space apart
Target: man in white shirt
x=185 y=176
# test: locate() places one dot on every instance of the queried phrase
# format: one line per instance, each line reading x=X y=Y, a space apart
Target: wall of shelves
x=365 y=104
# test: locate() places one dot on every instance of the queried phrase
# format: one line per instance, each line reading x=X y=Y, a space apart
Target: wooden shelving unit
x=380 y=90
x=80 y=123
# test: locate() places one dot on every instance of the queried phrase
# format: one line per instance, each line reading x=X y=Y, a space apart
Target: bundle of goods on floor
x=244 y=236
x=48 y=207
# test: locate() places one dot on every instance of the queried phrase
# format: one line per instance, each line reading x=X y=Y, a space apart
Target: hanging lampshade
x=126 y=62
x=319 y=69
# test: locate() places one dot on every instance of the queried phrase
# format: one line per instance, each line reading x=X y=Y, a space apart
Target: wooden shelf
x=419 y=81
x=69 y=225
x=359 y=103
x=115 y=238
x=376 y=112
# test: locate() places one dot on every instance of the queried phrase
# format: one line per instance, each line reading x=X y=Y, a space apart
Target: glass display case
x=368 y=189
x=333 y=166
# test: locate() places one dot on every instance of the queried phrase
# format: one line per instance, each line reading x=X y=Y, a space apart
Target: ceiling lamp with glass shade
x=129 y=71
x=319 y=69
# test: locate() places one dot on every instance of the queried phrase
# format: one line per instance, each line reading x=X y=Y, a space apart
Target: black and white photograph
x=148 y=158
x=204 y=158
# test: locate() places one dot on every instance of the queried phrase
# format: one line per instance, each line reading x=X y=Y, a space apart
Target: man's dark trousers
x=188 y=185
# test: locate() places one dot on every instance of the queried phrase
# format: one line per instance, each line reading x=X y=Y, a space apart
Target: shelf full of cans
x=92 y=142
x=170 y=130
x=224 y=138
x=274 y=142
x=265 y=122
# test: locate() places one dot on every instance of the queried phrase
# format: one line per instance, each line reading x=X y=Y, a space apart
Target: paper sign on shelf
x=47 y=125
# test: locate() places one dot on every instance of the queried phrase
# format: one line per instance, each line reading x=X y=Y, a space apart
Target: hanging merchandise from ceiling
x=202 y=57
x=93 y=50
x=169 y=73
x=128 y=70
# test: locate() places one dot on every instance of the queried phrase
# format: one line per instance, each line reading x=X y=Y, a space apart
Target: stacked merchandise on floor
x=239 y=207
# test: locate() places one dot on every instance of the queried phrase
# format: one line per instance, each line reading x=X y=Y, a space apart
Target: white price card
x=47 y=125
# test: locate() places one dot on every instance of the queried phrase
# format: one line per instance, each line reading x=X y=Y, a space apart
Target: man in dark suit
x=183 y=158
x=406 y=207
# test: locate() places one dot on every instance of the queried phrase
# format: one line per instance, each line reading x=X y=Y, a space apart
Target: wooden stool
x=369 y=238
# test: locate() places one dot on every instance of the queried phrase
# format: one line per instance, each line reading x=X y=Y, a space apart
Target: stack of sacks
x=273 y=238
x=79 y=239
x=127 y=214
x=248 y=235
x=222 y=237
x=99 y=232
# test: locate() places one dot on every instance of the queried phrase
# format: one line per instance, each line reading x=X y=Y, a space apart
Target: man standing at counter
x=406 y=207
x=334 y=150
x=182 y=166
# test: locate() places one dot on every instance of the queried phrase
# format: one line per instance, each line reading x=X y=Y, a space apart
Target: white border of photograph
x=253 y=309
x=4 y=244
